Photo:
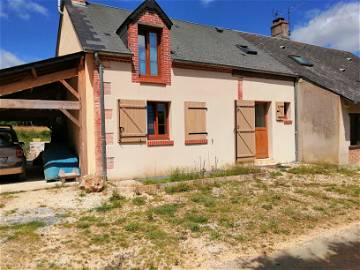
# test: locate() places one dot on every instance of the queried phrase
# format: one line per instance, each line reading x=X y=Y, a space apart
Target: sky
x=28 y=28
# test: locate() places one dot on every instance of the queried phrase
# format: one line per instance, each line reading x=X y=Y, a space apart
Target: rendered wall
x=319 y=113
x=218 y=90
x=345 y=154
x=68 y=41
x=281 y=137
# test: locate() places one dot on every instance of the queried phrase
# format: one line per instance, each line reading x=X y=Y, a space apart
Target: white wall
x=281 y=137
x=218 y=90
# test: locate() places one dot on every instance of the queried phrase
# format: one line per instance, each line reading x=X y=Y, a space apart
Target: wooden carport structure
x=49 y=89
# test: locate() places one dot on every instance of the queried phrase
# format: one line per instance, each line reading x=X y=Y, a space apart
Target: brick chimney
x=280 y=28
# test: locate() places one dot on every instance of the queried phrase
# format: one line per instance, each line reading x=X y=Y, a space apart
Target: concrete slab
x=32 y=185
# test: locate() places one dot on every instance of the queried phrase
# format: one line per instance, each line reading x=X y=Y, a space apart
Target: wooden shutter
x=245 y=130
x=132 y=121
x=280 y=111
x=195 y=121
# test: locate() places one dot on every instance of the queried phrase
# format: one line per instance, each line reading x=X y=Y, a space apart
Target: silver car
x=12 y=158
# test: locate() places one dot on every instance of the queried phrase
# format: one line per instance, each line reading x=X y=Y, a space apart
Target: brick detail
x=107 y=88
x=240 y=89
x=98 y=146
x=109 y=138
x=354 y=156
x=108 y=114
x=110 y=163
x=190 y=142
x=160 y=143
x=151 y=18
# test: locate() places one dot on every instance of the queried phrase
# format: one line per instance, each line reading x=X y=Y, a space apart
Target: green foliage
x=205 y=199
x=166 y=210
x=132 y=227
x=22 y=230
x=139 y=201
x=322 y=168
x=115 y=201
x=181 y=187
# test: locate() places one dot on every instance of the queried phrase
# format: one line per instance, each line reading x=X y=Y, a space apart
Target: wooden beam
x=39 y=104
x=71 y=117
x=34 y=73
x=30 y=82
x=70 y=88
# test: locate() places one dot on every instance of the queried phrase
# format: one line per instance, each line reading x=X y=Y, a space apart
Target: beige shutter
x=132 y=121
x=195 y=121
x=280 y=111
x=245 y=130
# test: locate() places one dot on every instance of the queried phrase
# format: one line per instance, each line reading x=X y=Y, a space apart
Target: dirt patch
x=183 y=227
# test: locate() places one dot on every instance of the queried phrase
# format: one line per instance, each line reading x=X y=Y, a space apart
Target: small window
x=157 y=120
x=355 y=129
x=301 y=60
x=148 y=44
x=287 y=112
x=246 y=49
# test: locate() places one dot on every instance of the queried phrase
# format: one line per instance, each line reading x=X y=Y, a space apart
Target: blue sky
x=28 y=28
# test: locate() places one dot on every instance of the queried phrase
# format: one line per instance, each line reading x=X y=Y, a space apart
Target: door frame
x=266 y=118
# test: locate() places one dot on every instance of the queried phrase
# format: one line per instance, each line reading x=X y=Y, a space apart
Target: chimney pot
x=280 y=28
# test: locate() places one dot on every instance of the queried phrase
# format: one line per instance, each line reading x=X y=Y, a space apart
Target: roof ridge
x=231 y=29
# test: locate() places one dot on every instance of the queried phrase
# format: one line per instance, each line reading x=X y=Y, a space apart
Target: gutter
x=102 y=116
x=296 y=101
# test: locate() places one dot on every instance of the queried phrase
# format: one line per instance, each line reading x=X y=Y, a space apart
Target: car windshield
x=5 y=138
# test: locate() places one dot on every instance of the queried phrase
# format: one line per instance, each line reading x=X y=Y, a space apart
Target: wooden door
x=245 y=130
x=261 y=130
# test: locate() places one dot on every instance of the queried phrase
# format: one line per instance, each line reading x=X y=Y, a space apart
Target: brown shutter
x=280 y=111
x=195 y=121
x=132 y=121
x=245 y=130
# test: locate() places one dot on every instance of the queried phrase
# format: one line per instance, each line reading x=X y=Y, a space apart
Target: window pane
x=151 y=119
x=142 y=54
x=153 y=54
x=260 y=115
x=355 y=129
x=161 y=109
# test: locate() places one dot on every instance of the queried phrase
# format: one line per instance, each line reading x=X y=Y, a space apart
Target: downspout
x=296 y=101
x=102 y=116
x=59 y=7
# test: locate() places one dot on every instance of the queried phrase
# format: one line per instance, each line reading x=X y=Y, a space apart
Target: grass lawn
x=181 y=226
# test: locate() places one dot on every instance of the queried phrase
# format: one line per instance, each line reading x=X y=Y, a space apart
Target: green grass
x=204 y=199
x=115 y=201
x=324 y=169
x=27 y=134
x=132 y=227
x=180 y=175
x=139 y=201
x=22 y=230
x=166 y=210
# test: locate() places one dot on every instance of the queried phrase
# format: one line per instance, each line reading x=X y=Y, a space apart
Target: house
x=141 y=94
x=176 y=94
x=327 y=94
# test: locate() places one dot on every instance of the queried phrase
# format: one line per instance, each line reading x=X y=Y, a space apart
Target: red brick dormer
x=151 y=26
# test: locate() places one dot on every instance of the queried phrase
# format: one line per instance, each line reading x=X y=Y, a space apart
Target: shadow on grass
x=339 y=256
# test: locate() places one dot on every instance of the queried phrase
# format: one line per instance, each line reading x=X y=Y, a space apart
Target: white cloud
x=24 y=8
x=2 y=12
x=337 y=27
x=8 y=59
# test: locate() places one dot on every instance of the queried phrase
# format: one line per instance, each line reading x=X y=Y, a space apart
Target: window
x=148 y=44
x=157 y=120
x=195 y=123
x=355 y=129
x=301 y=60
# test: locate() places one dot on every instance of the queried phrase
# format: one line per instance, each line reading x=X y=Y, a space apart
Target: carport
x=47 y=92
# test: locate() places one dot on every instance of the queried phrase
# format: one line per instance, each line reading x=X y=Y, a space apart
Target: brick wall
x=150 y=18
x=354 y=156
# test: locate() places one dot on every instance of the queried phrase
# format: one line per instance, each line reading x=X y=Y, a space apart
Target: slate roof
x=327 y=63
x=96 y=27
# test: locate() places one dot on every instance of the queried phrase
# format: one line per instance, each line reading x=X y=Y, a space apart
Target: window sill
x=152 y=80
x=354 y=147
x=160 y=143
x=287 y=122
x=192 y=142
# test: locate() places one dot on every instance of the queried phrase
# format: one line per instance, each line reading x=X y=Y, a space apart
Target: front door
x=261 y=130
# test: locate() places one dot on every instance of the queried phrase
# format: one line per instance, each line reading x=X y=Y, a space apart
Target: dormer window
x=148 y=45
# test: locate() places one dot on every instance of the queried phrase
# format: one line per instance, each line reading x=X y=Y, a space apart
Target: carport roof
x=40 y=68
